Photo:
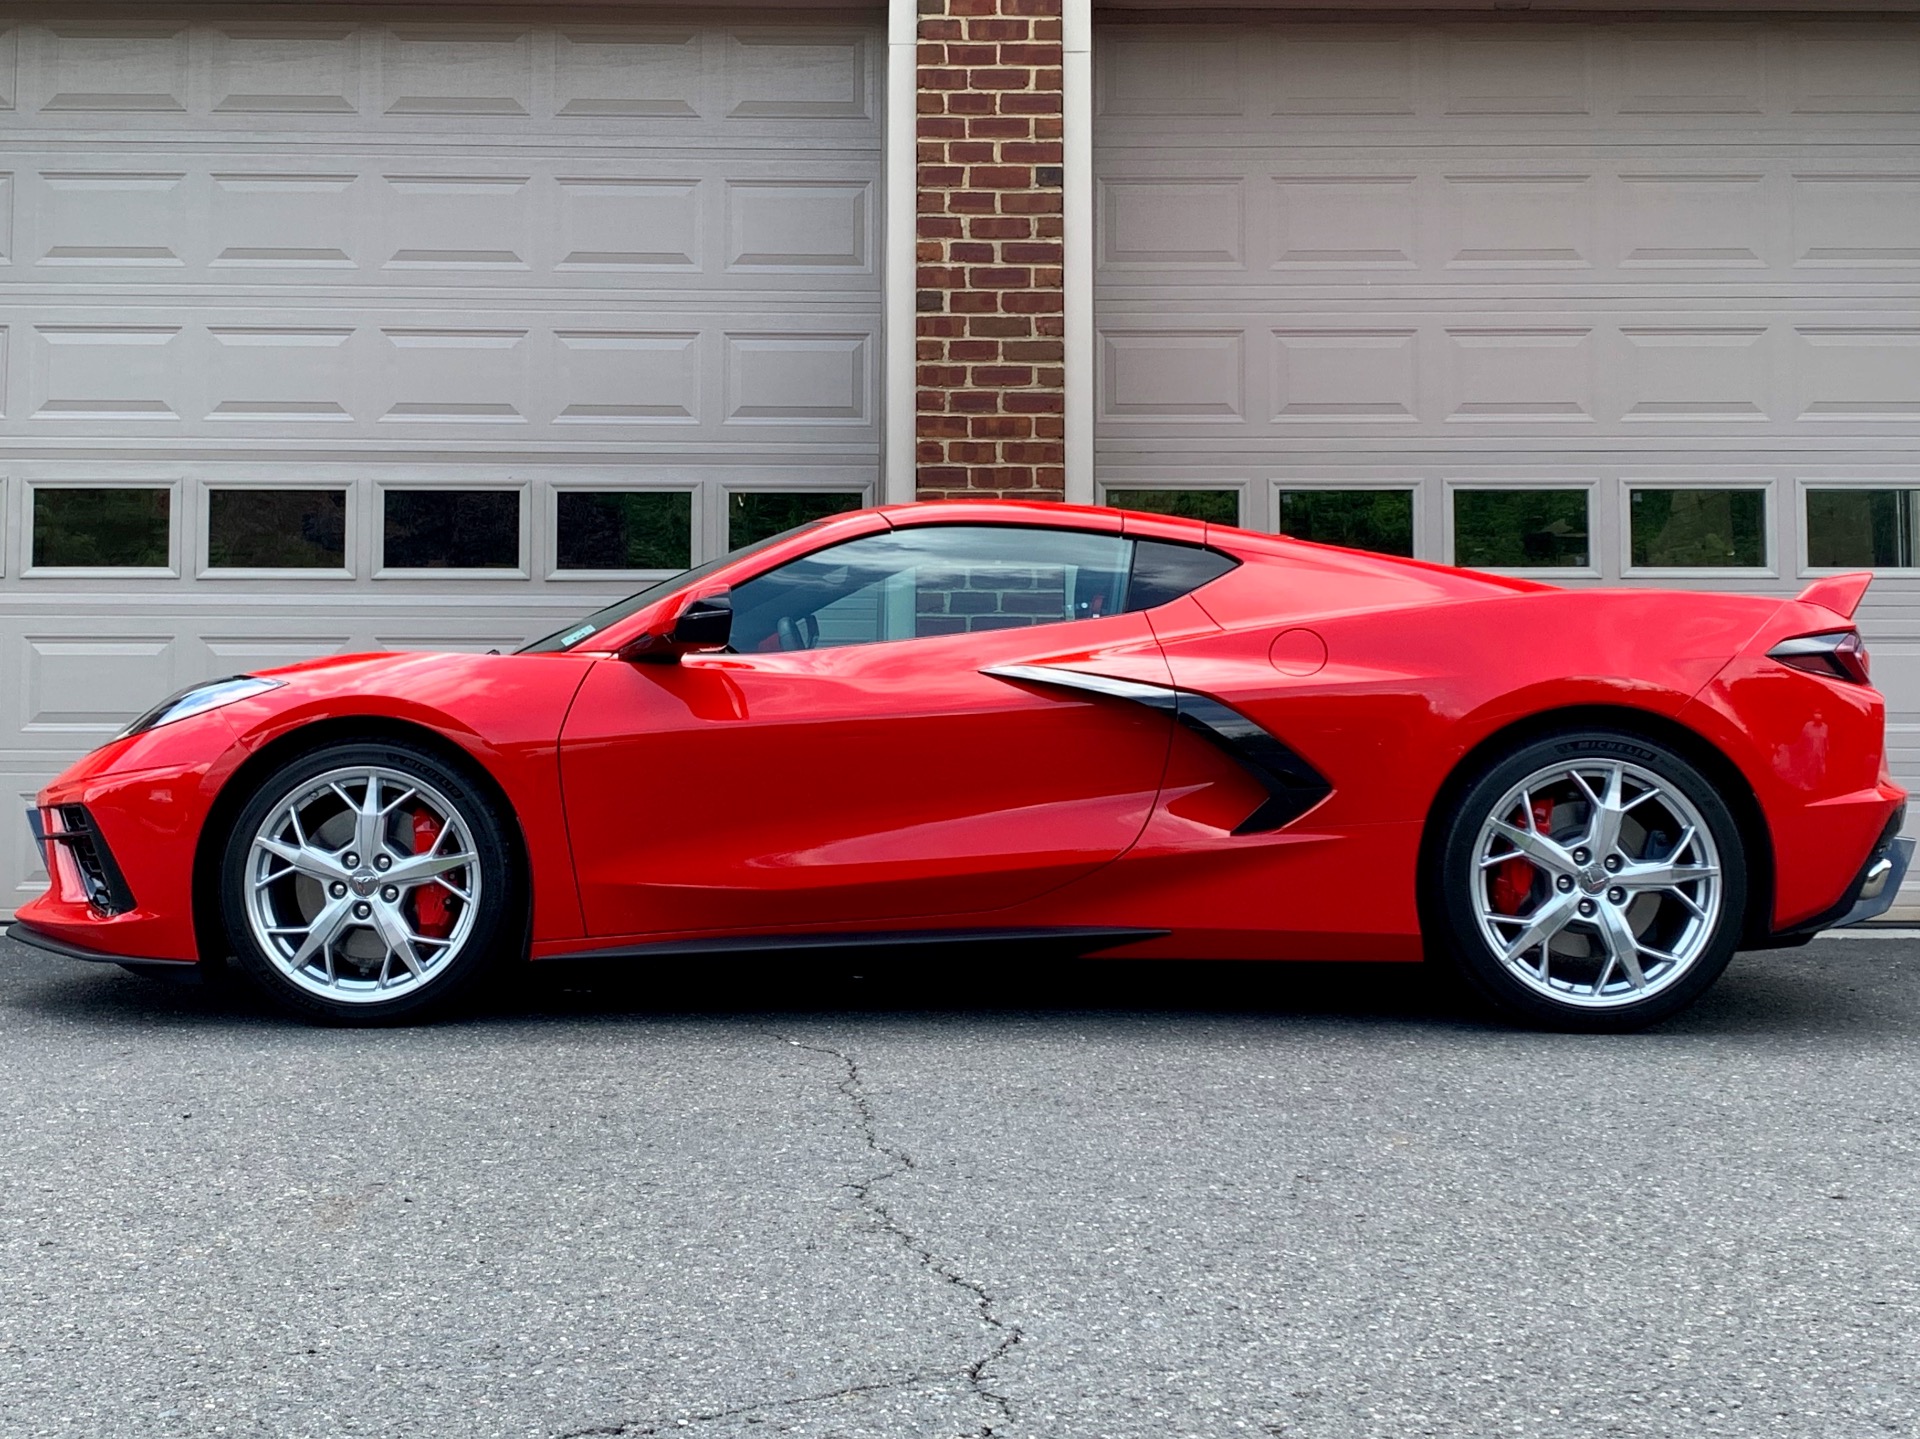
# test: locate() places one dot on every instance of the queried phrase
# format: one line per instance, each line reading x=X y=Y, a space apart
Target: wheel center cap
x=364 y=883
x=1593 y=879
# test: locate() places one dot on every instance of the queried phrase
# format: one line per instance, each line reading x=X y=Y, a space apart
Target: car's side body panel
x=870 y=782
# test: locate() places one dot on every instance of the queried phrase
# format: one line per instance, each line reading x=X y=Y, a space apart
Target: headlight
x=198 y=700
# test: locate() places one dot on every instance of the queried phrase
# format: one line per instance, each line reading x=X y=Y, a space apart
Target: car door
x=853 y=760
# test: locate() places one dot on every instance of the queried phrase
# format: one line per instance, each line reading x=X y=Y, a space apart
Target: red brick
x=1009 y=277
x=940 y=376
x=1034 y=402
x=934 y=400
x=974 y=302
x=1030 y=302
x=940 y=326
x=996 y=28
x=973 y=452
x=1018 y=53
x=973 y=202
x=929 y=250
x=942 y=177
x=1000 y=375
x=932 y=29
x=1013 y=327
x=972 y=152
x=998 y=127
x=1000 y=427
x=973 y=402
x=1049 y=427
x=981 y=55
x=1032 y=152
x=998 y=227
x=942 y=127
x=948 y=427
x=1016 y=102
x=930 y=202
x=967 y=102
x=933 y=53
x=1045 y=127
x=1001 y=79
x=972 y=252
x=974 y=351
x=939 y=227
x=1048 y=30
x=1032 y=351
x=1000 y=177
x=1030 y=202
x=1049 y=277
x=1042 y=8
x=927 y=104
x=932 y=78
x=1044 y=452
x=1028 y=252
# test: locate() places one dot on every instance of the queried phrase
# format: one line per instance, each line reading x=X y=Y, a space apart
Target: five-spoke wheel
x=364 y=880
x=1593 y=880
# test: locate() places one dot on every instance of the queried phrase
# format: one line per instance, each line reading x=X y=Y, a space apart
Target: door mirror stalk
x=705 y=622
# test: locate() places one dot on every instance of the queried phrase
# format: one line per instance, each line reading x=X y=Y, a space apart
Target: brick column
x=988 y=340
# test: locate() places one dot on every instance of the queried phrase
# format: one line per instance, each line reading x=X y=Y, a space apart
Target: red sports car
x=956 y=722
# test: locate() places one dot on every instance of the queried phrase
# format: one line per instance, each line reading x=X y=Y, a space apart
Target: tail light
x=1837 y=654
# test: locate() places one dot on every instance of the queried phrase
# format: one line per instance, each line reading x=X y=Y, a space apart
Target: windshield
x=573 y=634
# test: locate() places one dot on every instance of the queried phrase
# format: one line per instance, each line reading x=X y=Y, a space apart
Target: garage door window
x=95 y=527
x=253 y=529
x=1855 y=529
x=1219 y=507
x=451 y=530
x=1379 y=520
x=756 y=515
x=602 y=530
x=1521 y=529
x=1721 y=528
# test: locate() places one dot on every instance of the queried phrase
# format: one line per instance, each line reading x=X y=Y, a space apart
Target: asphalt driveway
x=861 y=1199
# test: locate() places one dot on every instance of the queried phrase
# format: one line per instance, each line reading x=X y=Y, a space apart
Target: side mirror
x=704 y=623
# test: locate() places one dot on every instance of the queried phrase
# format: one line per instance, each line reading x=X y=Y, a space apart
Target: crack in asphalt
x=899 y=1162
x=640 y=1429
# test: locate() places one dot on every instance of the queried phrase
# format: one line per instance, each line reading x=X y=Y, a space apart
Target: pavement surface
x=865 y=1198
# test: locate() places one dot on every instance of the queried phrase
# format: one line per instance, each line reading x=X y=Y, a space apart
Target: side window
x=932 y=580
x=959 y=579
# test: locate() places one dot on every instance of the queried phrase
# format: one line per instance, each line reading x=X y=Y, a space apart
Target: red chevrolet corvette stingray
x=930 y=724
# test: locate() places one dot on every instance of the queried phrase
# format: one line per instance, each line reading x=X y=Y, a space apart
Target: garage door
x=323 y=335
x=1633 y=302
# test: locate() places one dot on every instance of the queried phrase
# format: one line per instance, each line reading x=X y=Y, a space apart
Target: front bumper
x=31 y=935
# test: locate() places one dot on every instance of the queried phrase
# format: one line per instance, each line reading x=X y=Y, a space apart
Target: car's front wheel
x=1592 y=880
x=366 y=882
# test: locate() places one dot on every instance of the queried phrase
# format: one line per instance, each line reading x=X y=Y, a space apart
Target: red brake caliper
x=1513 y=881
x=430 y=914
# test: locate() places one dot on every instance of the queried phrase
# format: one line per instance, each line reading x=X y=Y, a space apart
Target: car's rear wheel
x=366 y=882
x=1593 y=881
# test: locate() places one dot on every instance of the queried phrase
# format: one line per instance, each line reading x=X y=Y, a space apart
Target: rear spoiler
x=1839 y=593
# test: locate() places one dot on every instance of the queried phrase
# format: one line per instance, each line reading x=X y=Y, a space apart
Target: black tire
x=1456 y=898
x=484 y=935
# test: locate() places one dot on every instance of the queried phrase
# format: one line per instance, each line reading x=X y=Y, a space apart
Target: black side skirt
x=1067 y=940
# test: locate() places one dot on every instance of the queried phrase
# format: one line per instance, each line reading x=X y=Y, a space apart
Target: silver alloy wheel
x=363 y=884
x=1596 y=883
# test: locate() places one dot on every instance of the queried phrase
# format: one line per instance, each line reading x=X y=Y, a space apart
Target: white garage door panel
x=214 y=371
x=271 y=217
x=1533 y=253
x=362 y=250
